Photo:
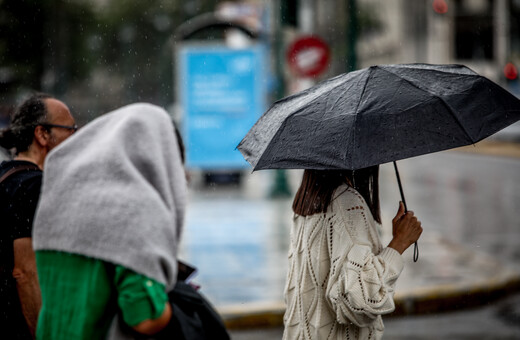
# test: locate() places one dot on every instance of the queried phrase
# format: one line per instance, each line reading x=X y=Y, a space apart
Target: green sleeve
x=139 y=298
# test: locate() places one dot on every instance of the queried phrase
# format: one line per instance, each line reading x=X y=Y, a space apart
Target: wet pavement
x=498 y=321
x=469 y=206
x=470 y=199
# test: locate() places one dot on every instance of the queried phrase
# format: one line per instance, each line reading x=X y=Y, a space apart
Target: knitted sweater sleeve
x=361 y=284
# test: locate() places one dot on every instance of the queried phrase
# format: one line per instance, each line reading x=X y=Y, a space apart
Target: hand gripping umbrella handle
x=415 y=247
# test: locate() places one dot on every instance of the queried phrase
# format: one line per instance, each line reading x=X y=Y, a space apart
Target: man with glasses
x=38 y=125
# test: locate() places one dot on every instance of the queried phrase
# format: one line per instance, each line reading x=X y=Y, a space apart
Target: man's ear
x=41 y=135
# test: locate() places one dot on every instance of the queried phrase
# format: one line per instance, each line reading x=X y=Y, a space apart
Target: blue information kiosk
x=222 y=92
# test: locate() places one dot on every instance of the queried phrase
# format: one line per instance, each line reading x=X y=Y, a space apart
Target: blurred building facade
x=97 y=58
x=481 y=34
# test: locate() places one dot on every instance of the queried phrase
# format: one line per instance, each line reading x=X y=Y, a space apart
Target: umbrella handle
x=415 y=247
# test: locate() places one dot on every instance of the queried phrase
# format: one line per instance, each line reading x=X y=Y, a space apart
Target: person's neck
x=33 y=157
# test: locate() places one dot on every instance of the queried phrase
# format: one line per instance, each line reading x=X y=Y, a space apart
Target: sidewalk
x=242 y=258
x=446 y=277
x=494 y=147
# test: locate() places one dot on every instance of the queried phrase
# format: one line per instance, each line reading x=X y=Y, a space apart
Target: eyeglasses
x=74 y=127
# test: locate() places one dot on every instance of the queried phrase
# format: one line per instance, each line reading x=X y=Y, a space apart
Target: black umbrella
x=377 y=115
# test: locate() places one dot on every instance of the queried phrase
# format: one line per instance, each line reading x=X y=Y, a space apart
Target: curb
x=440 y=299
x=492 y=147
x=446 y=298
x=253 y=315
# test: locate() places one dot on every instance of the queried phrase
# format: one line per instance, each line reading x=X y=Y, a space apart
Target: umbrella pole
x=416 y=247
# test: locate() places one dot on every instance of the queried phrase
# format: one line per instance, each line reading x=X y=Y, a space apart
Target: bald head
x=39 y=124
x=60 y=123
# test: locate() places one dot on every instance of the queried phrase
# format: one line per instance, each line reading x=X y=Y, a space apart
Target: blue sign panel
x=222 y=94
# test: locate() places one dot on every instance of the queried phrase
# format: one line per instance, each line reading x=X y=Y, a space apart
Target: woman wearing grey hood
x=107 y=228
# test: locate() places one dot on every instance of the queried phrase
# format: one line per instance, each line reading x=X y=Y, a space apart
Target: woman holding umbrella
x=341 y=279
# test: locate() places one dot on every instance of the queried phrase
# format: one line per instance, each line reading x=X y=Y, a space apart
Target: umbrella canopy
x=377 y=115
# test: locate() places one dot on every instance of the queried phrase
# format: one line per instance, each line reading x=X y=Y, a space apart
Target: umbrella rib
x=330 y=82
x=450 y=109
x=357 y=108
x=472 y=74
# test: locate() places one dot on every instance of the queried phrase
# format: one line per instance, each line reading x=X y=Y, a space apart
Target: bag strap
x=18 y=168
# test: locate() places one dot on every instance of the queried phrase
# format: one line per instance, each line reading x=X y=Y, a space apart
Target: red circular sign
x=440 y=6
x=308 y=56
x=510 y=71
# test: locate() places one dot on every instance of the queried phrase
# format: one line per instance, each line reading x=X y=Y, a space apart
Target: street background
x=239 y=237
x=468 y=203
x=215 y=66
x=97 y=55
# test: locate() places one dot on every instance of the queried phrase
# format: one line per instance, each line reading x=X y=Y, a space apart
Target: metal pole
x=281 y=185
x=352 y=35
x=305 y=17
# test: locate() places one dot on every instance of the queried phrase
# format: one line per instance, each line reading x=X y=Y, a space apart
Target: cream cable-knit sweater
x=340 y=279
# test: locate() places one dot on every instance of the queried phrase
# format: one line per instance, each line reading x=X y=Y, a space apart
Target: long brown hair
x=317 y=187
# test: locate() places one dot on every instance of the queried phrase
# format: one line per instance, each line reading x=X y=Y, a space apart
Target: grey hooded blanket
x=116 y=191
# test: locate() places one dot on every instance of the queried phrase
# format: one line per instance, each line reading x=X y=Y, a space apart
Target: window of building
x=474 y=29
x=514 y=32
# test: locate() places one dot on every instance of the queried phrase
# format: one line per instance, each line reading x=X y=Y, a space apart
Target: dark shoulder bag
x=193 y=317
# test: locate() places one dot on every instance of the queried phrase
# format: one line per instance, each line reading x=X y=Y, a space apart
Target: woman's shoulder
x=347 y=196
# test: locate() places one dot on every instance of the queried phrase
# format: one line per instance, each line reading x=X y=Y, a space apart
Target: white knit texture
x=340 y=279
